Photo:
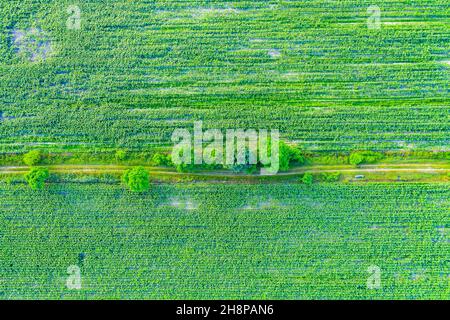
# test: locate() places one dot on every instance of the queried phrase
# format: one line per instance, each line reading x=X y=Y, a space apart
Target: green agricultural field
x=135 y=70
x=94 y=205
x=226 y=241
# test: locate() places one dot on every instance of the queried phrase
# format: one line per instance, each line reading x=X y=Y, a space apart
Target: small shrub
x=185 y=168
x=296 y=156
x=137 y=179
x=36 y=178
x=289 y=155
x=120 y=155
x=356 y=159
x=161 y=159
x=32 y=158
x=331 y=176
x=308 y=179
x=360 y=157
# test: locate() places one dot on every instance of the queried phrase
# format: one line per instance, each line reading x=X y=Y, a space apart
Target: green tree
x=308 y=178
x=36 y=178
x=360 y=157
x=120 y=155
x=137 y=179
x=284 y=155
x=32 y=158
x=289 y=155
x=296 y=156
x=356 y=158
x=331 y=176
x=161 y=159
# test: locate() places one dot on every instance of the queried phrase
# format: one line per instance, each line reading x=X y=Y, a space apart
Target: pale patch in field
x=443 y=230
x=446 y=62
x=139 y=110
x=274 y=53
x=33 y=44
x=321 y=110
x=18 y=35
x=404 y=145
x=395 y=23
x=293 y=76
x=387 y=23
x=381 y=64
x=205 y=12
x=185 y=204
x=182 y=91
x=420 y=275
x=266 y=204
x=257 y=40
x=444 y=233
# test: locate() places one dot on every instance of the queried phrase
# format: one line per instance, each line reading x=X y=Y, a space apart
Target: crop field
x=134 y=71
x=347 y=198
x=216 y=241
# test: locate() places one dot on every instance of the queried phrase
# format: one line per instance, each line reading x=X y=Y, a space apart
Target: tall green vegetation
x=330 y=176
x=120 y=155
x=362 y=157
x=137 y=179
x=161 y=159
x=36 y=178
x=308 y=178
x=290 y=155
x=32 y=158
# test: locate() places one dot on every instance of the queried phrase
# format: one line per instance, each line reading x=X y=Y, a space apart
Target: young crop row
x=226 y=241
x=134 y=72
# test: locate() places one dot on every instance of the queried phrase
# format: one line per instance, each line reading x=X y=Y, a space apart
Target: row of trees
x=308 y=178
x=137 y=179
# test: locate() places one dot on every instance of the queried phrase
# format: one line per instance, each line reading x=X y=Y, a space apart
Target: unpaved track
x=413 y=167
